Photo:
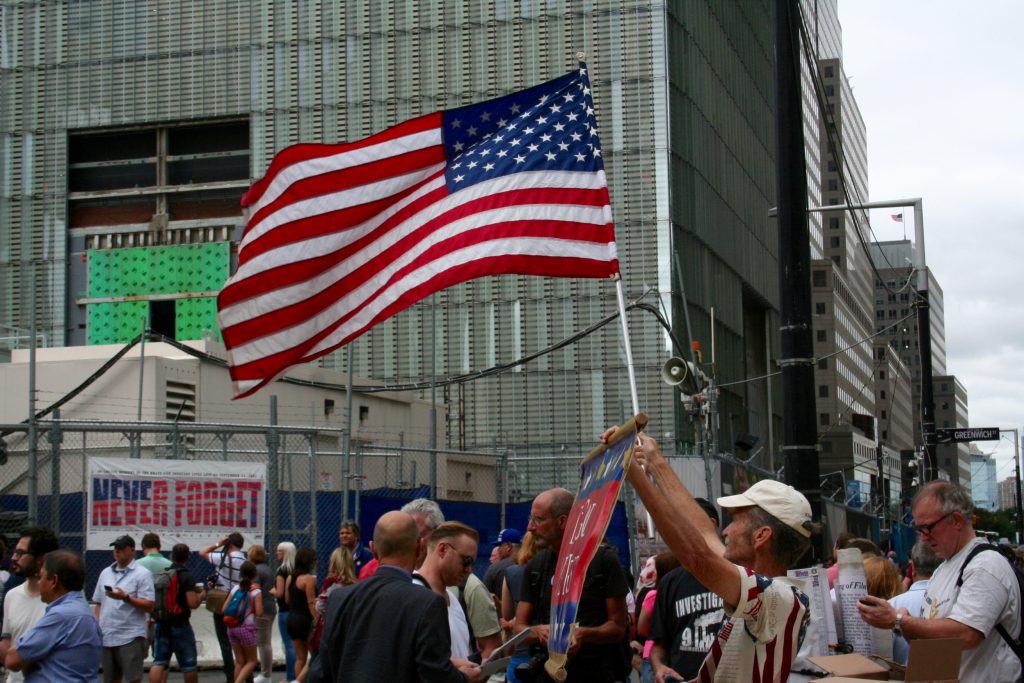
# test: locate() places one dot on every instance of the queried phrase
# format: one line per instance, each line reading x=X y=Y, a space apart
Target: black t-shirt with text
x=685 y=621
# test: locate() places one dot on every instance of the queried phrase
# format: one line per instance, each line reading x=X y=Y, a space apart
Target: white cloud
x=938 y=85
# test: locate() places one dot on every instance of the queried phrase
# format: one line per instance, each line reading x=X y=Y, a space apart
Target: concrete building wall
x=951 y=413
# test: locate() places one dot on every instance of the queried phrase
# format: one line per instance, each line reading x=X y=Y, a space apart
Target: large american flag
x=341 y=237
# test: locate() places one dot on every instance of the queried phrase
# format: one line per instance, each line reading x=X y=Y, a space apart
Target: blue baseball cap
x=509 y=536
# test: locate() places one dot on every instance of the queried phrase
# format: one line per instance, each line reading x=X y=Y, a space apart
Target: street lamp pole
x=924 y=327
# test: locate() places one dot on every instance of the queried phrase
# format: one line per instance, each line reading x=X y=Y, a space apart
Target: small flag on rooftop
x=341 y=237
x=898 y=217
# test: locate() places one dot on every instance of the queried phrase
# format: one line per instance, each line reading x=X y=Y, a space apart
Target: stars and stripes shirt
x=763 y=634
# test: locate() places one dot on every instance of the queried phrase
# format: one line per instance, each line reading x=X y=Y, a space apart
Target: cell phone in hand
x=108 y=589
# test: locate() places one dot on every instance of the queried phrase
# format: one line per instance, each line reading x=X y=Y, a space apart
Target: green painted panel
x=158 y=270
x=148 y=271
x=193 y=316
x=116 y=323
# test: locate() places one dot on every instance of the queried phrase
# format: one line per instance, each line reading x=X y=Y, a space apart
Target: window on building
x=818 y=278
x=881 y=374
x=880 y=314
x=821 y=335
x=885 y=434
x=823 y=419
x=833 y=242
x=882 y=394
x=822 y=391
x=830 y=90
x=823 y=364
x=833 y=223
x=885 y=415
x=833 y=185
x=830 y=72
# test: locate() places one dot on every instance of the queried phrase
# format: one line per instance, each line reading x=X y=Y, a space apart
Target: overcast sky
x=940 y=86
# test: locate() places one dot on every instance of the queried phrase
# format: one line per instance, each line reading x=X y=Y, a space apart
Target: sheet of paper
x=822 y=630
x=493 y=666
x=851 y=586
x=509 y=645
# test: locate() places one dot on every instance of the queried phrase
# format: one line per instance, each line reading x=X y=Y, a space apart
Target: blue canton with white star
x=549 y=127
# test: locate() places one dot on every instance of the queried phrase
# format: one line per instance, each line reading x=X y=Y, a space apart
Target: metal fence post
x=272 y=478
x=501 y=486
x=311 y=440
x=359 y=480
x=56 y=438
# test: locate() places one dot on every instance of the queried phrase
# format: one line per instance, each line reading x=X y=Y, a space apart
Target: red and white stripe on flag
x=341 y=237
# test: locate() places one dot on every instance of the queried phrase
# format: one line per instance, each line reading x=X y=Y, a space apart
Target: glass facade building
x=132 y=127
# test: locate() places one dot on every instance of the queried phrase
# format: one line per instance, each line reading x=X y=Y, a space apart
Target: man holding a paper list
x=968 y=597
x=770 y=531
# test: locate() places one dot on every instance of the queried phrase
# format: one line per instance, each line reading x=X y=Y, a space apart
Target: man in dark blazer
x=387 y=628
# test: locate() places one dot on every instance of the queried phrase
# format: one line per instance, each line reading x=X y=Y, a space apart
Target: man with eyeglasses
x=23 y=605
x=596 y=652
x=65 y=643
x=386 y=628
x=451 y=553
x=989 y=596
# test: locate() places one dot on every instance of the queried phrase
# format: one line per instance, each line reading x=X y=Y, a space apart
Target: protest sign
x=601 y=474
x=184 y=501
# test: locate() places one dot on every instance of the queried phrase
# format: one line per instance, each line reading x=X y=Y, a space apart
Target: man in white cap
x=770 y=531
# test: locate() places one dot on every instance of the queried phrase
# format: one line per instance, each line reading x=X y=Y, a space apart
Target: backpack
x=237 y=608
x=167 y=602
x=1015 y=643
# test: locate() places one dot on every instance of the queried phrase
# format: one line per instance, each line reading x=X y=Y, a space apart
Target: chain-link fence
x=314 y=479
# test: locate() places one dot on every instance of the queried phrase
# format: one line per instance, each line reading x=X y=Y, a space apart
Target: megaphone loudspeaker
x=674 y=371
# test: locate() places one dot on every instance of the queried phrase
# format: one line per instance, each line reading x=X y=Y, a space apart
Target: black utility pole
x=800 y=432
x=924 y=334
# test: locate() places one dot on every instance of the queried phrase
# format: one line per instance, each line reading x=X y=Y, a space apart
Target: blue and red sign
x=601 y=475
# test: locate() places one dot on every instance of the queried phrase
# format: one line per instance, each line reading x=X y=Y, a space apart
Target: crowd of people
x=717 y=605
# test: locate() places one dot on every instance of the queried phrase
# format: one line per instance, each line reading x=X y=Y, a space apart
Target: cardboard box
x=930 y=661
x=850 y=667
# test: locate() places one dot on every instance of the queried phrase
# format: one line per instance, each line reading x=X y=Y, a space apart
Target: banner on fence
x=601 y=476
x=184 y=501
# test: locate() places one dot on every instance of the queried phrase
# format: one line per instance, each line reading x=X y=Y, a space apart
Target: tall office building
x=951 y=413
x=128 y=132
x=983 y=479
x=841 y=295
x=896 y=321
x=1007 y=492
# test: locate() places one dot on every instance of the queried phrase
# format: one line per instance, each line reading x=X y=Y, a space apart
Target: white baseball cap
x=777 y=499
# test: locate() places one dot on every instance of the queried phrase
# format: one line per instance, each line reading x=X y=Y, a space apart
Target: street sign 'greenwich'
x=967 y=434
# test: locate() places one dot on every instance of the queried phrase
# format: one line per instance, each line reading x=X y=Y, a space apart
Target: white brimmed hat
x=780 y=500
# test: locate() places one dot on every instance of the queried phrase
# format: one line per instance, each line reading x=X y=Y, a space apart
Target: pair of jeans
x=225 y=647
x=289 y=649
x=264 y=630
x=178 y=640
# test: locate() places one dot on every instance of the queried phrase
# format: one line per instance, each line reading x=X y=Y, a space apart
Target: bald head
x=548 y=516
x=395 y=539
x=558 y=501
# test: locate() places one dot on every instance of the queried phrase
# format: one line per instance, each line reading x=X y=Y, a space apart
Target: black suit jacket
x=385 y=629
